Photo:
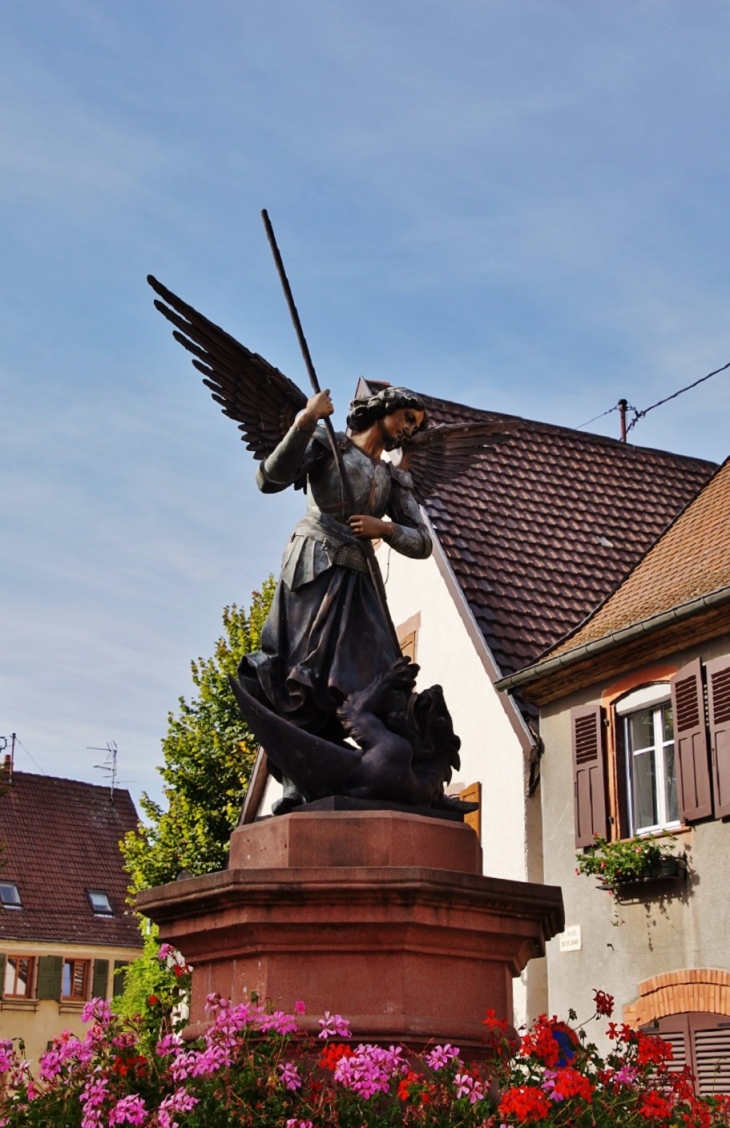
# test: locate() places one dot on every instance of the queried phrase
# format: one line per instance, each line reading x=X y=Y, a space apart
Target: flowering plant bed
x=255 y=1068
x=630 y=861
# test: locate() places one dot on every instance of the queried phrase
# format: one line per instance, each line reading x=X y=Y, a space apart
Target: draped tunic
x=326 y=634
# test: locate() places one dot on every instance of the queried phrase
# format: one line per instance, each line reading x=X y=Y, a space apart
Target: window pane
x=19 y=976
x=645 y=812
x=670 y=775
x=99 y=902
x=667 y=721
x=9 y=895
x=73 y=983
x=641 y=726
x=22 y=982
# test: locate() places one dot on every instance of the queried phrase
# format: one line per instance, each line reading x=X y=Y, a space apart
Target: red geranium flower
x=332 y=1053
x=603 y=1003
x=654 y=1106
x=525 y=1104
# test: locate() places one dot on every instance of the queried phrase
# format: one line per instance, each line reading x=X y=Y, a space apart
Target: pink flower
x=468 y=1086
x=179 y=1101
x=278 y=1021
x=290 y=1076
x=334 y=1025
x=98 y=1010
x=129 y=1110
x=441 y=1056
x=370 y=1069
x=166 y=950
x=93 y=1096
x=169 y=1044
x=300 y=1007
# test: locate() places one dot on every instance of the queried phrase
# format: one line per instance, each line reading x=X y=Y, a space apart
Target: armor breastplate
x=370 y=480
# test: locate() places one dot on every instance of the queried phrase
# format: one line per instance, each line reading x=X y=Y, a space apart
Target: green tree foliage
x=209 y=753
x=156 y=991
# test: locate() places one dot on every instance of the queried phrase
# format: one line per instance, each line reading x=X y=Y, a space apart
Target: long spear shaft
x=366 y=543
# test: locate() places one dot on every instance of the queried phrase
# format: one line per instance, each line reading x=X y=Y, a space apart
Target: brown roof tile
x=544 y=526
x=690 y=560
x=60 y=839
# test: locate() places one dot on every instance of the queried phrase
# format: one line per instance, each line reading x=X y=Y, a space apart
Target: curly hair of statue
x=364 y=412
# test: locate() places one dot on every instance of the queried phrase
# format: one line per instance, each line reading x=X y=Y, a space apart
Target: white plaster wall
x=490 y=751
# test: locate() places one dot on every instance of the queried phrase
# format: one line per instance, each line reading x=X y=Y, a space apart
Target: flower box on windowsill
x=666 y=869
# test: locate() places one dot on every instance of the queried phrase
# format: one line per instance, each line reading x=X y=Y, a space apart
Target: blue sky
x=518 y=204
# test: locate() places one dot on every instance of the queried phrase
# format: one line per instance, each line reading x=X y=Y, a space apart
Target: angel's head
x=398 y=412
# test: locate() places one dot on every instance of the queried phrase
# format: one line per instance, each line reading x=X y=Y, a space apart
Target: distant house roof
x=678 y=594
x=60 y=840
x=544 y=526
x=690 y=560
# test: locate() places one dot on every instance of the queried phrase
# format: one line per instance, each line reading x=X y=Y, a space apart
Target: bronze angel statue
x=330 y=669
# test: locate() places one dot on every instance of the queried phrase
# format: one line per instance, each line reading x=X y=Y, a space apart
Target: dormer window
x=99 y=902
x=10 y=895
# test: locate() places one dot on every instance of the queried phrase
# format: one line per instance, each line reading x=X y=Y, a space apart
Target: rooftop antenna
x=110 y=763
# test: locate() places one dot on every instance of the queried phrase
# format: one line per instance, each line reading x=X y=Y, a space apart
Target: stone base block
x=381 y=916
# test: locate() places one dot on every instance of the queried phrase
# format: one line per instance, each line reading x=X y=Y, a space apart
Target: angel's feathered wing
x=262 y=400
x=439 y=454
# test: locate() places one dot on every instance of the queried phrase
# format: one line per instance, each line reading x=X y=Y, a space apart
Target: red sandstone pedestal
x=382 y=916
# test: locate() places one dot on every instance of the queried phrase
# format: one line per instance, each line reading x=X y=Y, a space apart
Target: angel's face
x=400 y=425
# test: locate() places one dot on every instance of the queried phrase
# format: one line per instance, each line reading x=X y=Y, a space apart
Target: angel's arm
x=410 y=534
x=296 y=453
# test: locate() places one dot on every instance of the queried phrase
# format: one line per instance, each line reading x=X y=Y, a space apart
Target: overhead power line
x=640 y=414
x=645 y=411
x=595 y=417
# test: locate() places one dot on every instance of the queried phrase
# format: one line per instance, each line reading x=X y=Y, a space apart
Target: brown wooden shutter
x=690 y=743
x=711 y=1049
x=718 y=695
x=701 y=1040
x=2 y=975
x=589 y=790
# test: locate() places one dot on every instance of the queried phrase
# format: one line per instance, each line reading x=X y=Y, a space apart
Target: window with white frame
x=646 y=739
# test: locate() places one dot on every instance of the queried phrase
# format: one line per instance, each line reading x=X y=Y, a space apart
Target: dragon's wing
x=438 y=454
x=262 y=400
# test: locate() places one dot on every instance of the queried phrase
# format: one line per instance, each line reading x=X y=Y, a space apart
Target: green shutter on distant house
x=50 y=969
x=2 y=975
x=120 y=975
x=101 y=979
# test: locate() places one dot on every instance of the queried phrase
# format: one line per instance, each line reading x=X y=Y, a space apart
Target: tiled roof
x=691 y=559
x=60 y=839
x=543 y=527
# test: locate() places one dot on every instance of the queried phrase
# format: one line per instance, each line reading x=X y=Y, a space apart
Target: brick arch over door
x=698 y=989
